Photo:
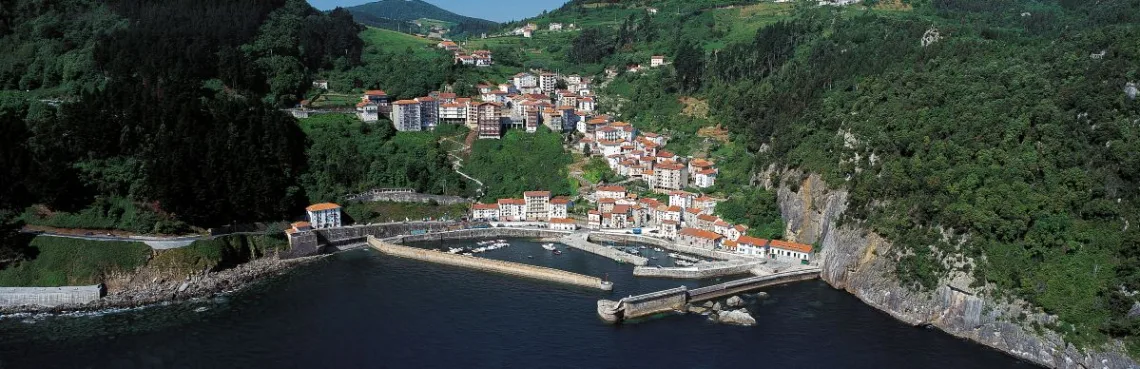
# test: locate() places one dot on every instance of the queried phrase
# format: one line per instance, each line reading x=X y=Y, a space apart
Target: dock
x=700 y=270
x=579 y=241
x=496 y=266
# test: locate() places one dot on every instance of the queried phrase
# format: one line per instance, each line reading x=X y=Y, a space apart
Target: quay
x=675 y=299
x=579 y=240
x=497 y=266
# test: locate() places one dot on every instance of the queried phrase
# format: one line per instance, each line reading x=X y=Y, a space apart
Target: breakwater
x=677 y=298
x=497 y=266
x=579 y=241
x=49 y=296
x=699 y=271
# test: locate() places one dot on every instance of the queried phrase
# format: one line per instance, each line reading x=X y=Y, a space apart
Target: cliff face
x=862 y=263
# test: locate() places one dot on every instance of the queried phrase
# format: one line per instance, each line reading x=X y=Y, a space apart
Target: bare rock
x=716 y=306
x=734 y=301
x=708 y=304
x=736 y=317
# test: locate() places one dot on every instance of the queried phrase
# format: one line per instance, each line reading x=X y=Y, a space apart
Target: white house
x=656 y=61
x=610 y=192
x=556 y=26
x=784 y=250
x=681 y=199
x=367 y=111
x=485 y=211
x=751 y=245
x=324 y=215
x=559 y=207
x=705 y=178
x=512 y=209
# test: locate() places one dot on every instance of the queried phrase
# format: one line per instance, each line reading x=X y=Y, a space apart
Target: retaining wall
x=497 y=266
x=49 y=296
x=700 y=271
x=416 y=197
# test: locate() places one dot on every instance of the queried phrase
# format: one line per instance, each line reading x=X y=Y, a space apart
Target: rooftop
x=536 y=194
x=799 y=247
x=700 y=233
x=322 y=206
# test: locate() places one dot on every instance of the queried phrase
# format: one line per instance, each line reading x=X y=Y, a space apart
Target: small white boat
x=548 y=246
x=658 y=249
x=673 y=255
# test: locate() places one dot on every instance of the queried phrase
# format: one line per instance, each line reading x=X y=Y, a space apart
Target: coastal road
x=156 y=243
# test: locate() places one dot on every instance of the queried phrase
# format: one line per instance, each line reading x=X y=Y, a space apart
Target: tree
x=689 y=64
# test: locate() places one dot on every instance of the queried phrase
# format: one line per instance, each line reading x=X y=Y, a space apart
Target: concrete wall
x=49 y=296
x=748 y=284
x=497 y=266
x=699 y=271
x=653 y=303
x=579 y=242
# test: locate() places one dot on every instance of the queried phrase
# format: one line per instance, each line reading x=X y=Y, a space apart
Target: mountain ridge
x=401 y=14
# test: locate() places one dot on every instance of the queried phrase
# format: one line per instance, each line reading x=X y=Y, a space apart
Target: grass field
x=392 y=40
x=217 y=254
x=64 y=261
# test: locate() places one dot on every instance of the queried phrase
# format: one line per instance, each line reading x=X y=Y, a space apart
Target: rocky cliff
x=862 y=263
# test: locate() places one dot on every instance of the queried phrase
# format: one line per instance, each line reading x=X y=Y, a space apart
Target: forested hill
x=397 y=15
x=172 y=104
x=1004 y=147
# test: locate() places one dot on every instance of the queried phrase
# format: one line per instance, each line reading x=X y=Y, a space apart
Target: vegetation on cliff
x=521 y=162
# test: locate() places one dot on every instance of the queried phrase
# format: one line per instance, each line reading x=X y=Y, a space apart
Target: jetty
x=496 y=266
x=701 y=270
x=580 y=240
x=675 y=299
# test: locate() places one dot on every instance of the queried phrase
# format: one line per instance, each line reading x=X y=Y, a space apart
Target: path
x=156 y=243
x=457 y=161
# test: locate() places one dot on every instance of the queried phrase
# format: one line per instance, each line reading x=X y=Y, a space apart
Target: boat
x=549 y=246
x=643 y=247
x=653 y=257
x=673 y=255
x=658 y=249
x=556 y=252
x=530 y=256
x=467 y=254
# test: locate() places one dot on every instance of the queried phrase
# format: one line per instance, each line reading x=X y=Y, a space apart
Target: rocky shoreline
x=199 y=286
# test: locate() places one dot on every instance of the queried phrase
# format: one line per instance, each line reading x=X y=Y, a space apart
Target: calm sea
x=360 y=309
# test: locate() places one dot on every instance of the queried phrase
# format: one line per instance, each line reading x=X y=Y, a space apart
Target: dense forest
x=170 y=106
x=1007 y=137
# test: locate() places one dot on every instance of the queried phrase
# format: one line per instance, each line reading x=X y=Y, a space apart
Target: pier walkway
x=676 y=299
x=497 y=266
x=701 y=270
x=579 y=241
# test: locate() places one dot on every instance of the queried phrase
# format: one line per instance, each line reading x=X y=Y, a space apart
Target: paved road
x=157 y=243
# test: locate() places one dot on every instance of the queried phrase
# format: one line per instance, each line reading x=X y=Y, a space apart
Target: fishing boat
x=549 y=246
x=673 y=255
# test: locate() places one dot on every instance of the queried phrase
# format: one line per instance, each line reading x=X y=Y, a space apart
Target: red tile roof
x=562 y=220
x=485 y=206
x=322 y=206
x=560 y=200
x=798 y=247
x=512 y=202
x=375 y=93
x=621 y=209
x=753 y=241
x=536 y=194
x=612 y=188
x=700 y=233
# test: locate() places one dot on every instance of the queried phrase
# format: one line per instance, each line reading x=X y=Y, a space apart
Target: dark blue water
x=361 y=309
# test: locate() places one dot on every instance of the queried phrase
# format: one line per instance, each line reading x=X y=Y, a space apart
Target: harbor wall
x=699 y=271
x=49 y=296
x=497 y=266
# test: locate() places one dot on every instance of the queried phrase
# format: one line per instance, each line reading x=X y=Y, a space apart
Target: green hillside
x=403 y=15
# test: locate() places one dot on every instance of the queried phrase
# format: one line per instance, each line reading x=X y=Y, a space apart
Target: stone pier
x=579 y=241
x=497 y=266
x=700 y=271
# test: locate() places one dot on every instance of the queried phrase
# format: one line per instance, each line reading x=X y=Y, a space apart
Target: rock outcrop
x=860 y=262
x=736 y=317
x=734 y=301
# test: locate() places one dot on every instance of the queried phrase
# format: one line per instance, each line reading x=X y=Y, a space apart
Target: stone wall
x=862 y=263
x=49 y=296
x=413 y=197
x=497 y=266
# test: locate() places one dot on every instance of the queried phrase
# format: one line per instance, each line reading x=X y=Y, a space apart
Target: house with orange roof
x=512 y=210
x=324 y=215
x=699 y=238
x=706 y=204
x=784 y=250
x=748 y=245
x=485 y=211
x=563 y=224
x=594 y=219
x=736 y=231
x=610 y=192
x=537 y=205
x=668 y=229
x=705 y=178
x=560 y=207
